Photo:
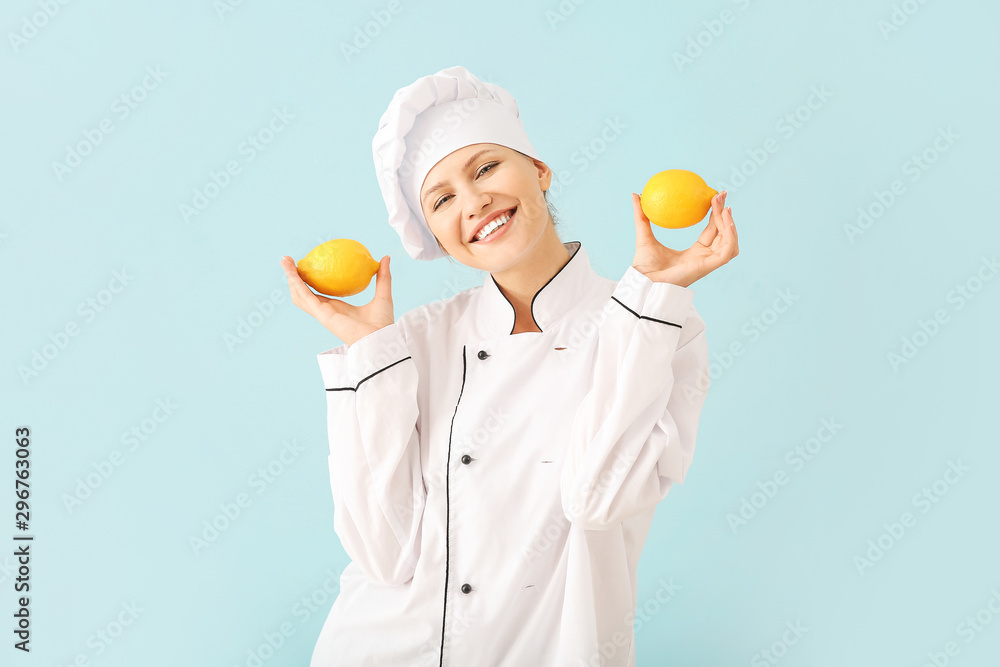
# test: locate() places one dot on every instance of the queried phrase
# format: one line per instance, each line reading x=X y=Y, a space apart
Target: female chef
x=496 y=457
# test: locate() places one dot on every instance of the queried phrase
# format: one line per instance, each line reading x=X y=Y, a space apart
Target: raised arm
x=634 y=433
x=371 y=392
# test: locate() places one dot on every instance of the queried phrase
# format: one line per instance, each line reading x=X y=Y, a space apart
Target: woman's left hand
x=717 y=245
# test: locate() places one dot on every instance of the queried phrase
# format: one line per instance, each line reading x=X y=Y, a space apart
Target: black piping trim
x=367 y=378
x=447 y=535
x=539 y=289
x=644 y=317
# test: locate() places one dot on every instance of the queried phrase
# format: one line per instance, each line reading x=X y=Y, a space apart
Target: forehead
x=459 y=160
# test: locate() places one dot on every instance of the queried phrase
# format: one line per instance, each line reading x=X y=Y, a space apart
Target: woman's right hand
x=346 y=322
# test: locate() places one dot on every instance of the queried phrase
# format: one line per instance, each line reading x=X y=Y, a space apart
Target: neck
x=520 y=282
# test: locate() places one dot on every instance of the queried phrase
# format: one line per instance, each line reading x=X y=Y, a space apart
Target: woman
x=496 y=457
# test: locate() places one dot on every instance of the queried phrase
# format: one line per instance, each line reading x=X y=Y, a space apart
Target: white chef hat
x=425 y=122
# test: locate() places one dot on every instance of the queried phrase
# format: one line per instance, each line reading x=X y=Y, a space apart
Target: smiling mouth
x=493 y=226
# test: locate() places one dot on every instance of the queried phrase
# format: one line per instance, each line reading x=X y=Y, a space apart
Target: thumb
x=643 y=230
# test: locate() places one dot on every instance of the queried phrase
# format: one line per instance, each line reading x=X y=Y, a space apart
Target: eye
x=484 y=169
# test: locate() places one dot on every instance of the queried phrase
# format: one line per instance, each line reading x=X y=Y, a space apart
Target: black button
x=483 y=354
x=466 y=588
x=466 y=459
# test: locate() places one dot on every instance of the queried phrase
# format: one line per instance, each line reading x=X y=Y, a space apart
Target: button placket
x=466 y=459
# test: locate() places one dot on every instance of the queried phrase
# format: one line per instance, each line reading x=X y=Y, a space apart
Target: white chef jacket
x=494 y=491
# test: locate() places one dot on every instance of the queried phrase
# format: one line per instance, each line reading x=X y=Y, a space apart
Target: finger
x=643 y=227
x=725 y=236
x=727 y=247
x=308 y=300
x=718 y=201
x=719 y=242
x=296 y=285
x=732 y=226
x=709 y=234
x=383 y=281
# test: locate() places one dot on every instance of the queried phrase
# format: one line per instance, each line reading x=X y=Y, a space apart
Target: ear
x=544 y=175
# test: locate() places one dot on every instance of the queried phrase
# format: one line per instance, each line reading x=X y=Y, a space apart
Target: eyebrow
x=468 y=163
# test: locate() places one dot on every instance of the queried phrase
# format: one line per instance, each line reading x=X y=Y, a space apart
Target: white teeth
x=488 y=229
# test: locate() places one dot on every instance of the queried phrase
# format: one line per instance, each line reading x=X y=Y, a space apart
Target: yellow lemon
x=676 y=198
x=340 y=267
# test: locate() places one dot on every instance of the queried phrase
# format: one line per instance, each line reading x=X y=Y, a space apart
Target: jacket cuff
x=663 y=302
x=347 y=365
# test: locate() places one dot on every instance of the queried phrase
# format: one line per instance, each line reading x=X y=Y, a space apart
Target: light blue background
x=164 y=335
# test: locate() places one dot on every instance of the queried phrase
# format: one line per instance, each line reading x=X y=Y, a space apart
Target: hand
x=346 y=322
x=717 y=245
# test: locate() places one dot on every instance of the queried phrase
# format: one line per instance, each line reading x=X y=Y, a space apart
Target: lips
x=488 y=220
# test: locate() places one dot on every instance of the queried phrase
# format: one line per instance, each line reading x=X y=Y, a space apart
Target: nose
x=477 y=202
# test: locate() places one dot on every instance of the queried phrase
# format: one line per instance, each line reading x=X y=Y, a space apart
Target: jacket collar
x=569 y=287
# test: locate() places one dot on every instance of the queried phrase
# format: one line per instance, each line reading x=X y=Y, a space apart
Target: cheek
x=534 y=207
x=447 y=229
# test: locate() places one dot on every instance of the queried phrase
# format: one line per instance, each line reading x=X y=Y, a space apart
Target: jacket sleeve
x=378 y=490
x=634 y=434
